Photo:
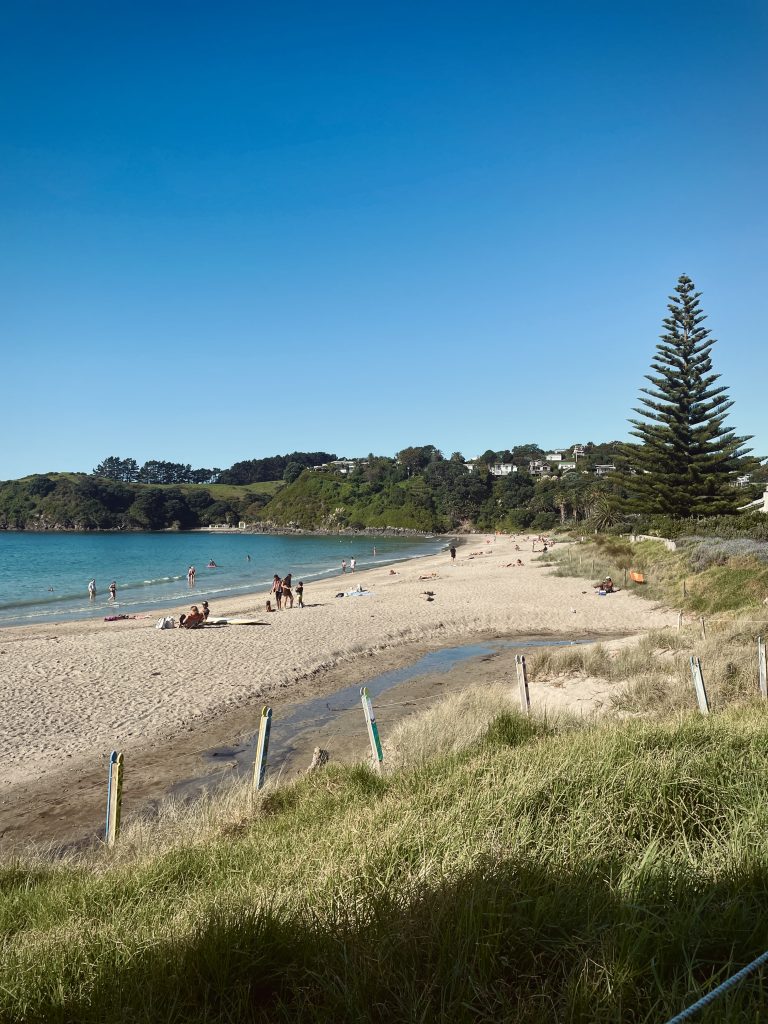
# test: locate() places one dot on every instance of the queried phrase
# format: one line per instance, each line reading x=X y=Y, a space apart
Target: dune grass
x=657 y=671
x=549 y=871
x=705 y=575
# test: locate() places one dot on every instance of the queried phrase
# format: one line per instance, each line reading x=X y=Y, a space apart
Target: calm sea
x=44 y=576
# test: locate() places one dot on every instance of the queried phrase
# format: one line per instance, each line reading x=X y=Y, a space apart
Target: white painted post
x=262 y=746
x=679 y=621
x=522 y=682
x=698 y=683
x=373 y=729
x=762 y=667
x=114 y=797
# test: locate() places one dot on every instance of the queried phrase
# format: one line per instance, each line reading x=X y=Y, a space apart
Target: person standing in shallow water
x=92 y=590
x=113 y=591
x=343 y=565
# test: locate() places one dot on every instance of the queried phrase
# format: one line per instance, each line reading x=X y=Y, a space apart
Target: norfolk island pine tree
x=687 y=454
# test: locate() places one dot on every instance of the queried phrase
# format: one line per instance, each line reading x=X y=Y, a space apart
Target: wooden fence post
x=373 y=729
x=762 y=667
x=683 y=588
x=522 y=682
x=698 y=683
x=262 y=747
x=703 y=628
x=114 y=797
x=679 y=621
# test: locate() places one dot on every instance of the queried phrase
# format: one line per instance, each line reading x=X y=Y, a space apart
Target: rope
x=729 y=983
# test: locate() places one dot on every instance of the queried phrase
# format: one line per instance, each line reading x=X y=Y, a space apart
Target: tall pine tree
x=687 y=456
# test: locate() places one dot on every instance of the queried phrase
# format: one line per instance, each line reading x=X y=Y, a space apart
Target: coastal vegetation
x=688 y=465
x=417 y=490
x=523 y=869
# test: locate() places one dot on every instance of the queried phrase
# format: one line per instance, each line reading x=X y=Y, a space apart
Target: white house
x=605 y=469
x=538 y=467
x=502 y=469
x=566 y=466
x=555 y=457
x=758 y=505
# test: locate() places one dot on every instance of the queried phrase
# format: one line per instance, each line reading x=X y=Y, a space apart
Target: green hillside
x=76 y=501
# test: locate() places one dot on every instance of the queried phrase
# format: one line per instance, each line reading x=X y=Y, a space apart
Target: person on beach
x=191 y=571
x=211 y=564
x=287 y=592
x=343 y=565
x=300 y=594
x=277 y=590
x=193 y=620
x=92 y=590
x=352 y=564
x=113 y=591
x=374 y=552
x=269 y=606
x=452 y=549
x=206 y=610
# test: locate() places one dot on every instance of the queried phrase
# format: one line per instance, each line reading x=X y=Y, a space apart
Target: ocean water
x=44 y=576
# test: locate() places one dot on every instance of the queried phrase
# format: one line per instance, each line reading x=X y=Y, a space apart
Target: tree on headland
x=685 y=463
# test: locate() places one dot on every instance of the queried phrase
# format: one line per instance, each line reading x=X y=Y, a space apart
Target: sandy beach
x=74 y=691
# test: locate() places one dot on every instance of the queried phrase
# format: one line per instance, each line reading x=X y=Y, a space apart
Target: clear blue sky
x=236 y=229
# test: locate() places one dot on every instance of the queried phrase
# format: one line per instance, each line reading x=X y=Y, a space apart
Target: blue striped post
x=114 y=797
x=262 y=746
x=373 y=729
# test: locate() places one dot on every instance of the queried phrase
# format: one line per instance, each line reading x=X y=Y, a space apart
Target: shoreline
x=75 y=691
x=50 y=615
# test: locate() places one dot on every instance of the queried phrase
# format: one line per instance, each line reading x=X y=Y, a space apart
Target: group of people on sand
x=283 y=588
x=196 y=617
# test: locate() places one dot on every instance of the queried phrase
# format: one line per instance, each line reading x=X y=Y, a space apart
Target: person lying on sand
x=430 y=576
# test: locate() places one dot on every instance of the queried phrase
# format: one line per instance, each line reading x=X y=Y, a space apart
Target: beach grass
x=690 y=578
x=537 y=870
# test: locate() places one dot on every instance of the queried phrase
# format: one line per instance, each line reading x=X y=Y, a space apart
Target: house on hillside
x=539 y=467
x=502 y=469
x=343 y=466
x=555 y=456
x=605 y=469
x=758 y=505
